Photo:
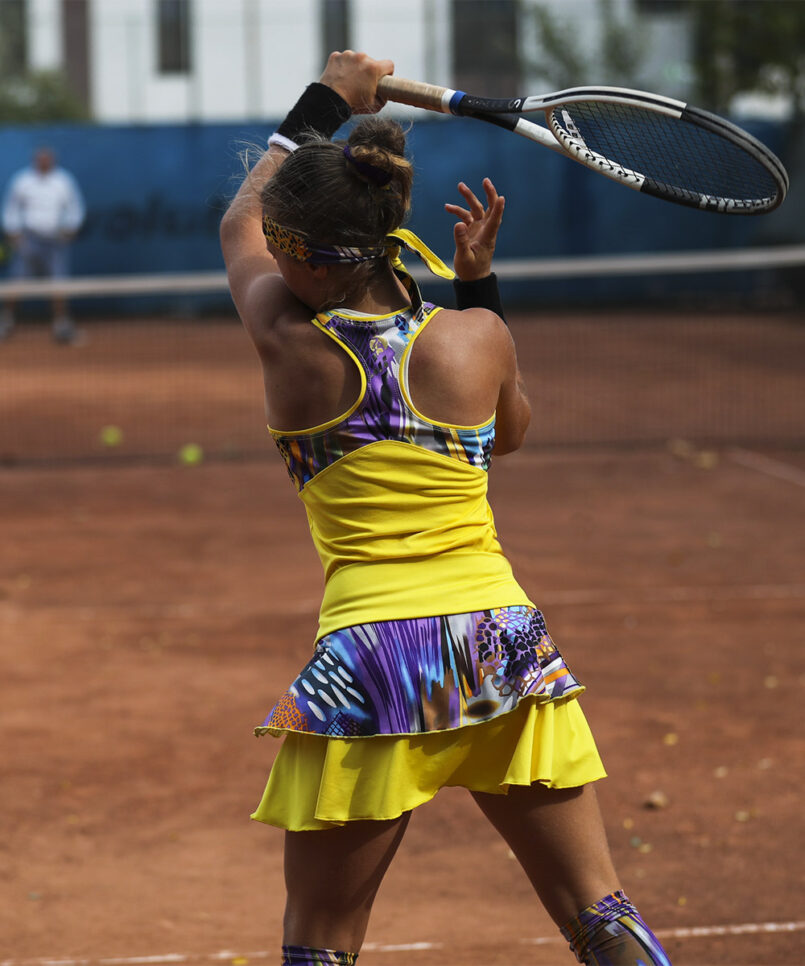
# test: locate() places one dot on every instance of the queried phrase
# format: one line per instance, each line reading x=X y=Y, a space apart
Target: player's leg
x=558 y=837
x=332 y=877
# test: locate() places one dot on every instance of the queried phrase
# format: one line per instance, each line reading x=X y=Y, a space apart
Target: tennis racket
x=653 y=144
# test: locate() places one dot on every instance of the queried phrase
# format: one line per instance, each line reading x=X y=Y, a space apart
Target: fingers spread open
x=459 y=212
x=474 y=204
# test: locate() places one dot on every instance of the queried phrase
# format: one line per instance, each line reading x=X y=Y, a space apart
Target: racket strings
x=681 y=156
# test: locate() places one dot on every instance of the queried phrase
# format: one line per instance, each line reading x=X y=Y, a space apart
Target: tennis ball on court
x=681 y=448
x=706 y=459
x=191 y=454
x=111 y=436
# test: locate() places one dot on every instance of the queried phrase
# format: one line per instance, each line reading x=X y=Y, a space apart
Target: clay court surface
x=151 y=613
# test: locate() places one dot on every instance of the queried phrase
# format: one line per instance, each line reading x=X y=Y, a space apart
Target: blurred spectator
x=42 y=211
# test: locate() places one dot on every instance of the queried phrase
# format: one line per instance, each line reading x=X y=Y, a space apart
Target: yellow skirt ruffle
x=317 y=782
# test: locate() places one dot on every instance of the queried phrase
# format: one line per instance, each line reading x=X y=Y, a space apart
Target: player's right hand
x=354 y=76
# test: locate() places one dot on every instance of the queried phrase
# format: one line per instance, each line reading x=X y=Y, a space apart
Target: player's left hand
x=477 y=231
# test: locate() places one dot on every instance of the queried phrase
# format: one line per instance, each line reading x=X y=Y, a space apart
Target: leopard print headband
x=296 y=245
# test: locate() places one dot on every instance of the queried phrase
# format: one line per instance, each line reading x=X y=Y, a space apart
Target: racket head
x=648 y=142
x=669 y=150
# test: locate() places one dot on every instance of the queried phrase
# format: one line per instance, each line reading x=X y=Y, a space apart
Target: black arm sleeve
x=319 y=109
x=481 y=293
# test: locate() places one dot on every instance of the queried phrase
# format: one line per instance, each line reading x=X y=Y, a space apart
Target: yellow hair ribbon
x=403 y=238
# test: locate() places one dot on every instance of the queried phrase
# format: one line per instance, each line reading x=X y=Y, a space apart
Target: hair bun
x=376 y=154
x=379 y=132
x=379 y=176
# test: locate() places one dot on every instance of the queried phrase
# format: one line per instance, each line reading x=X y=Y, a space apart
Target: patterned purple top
x=382 y=412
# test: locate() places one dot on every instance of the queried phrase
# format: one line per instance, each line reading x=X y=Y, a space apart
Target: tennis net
x=169 y=373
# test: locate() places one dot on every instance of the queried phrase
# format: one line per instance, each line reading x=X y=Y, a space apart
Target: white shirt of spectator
x=47 y=204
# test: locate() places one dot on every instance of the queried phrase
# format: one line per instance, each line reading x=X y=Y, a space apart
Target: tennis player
x=431 y=667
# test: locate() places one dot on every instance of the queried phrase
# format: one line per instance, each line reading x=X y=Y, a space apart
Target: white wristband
x=282 y=142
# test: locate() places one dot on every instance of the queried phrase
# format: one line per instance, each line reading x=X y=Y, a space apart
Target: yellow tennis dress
x=431 y=665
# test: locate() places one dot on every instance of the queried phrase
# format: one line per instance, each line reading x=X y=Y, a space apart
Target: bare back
x=457 y=370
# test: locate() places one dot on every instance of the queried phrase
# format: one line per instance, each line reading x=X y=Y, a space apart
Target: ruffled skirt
x=319 y=782
x=386 y=714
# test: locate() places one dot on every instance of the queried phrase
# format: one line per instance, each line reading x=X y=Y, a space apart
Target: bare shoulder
x=473 y=330
x=477 y=319
x=458 y=366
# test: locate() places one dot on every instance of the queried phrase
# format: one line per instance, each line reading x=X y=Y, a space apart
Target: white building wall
x=393 y=30
x=251 y=58
x=220 y=82
x=288 y=56
x=44 y=34
x=125 y=84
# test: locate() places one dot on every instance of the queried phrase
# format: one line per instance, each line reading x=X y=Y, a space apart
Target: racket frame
x=507 y=113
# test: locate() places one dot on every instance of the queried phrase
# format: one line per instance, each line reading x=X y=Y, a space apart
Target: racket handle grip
x=416 y=93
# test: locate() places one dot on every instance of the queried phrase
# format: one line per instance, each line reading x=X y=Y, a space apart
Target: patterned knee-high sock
x=308 y=956
x=611 y=933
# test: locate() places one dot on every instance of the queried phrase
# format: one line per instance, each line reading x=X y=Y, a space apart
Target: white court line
x=767 y=465
x=691 y=932
x=739 y=929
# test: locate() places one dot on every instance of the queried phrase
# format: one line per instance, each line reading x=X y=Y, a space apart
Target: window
x=334 y=27
x=75 y=41
x=173 y=36
x=486 y=57
x=13 y=58
x=662 y=6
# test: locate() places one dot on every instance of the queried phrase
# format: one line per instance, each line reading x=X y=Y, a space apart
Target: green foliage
x=560 y=61
x=751 y=45
x=12 y=38
x=38 y=96
x=620 y=43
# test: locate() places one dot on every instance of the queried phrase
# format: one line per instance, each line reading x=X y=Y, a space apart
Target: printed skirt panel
x=429 y=674
x=319 y=783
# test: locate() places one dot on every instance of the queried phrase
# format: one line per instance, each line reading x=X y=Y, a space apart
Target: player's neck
x=384 y=295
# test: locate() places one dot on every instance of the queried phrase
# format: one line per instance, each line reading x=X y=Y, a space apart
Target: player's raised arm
x=347 y=86
x=476 y=288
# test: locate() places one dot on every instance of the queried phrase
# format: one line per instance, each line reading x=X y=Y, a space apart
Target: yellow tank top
x=397 y=504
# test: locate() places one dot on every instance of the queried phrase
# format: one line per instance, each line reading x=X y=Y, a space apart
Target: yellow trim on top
x=403 y=381
x=314 y=430
x=360 y=316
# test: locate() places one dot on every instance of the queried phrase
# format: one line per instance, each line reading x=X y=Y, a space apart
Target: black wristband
x=480 y=293
x=319 y=109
